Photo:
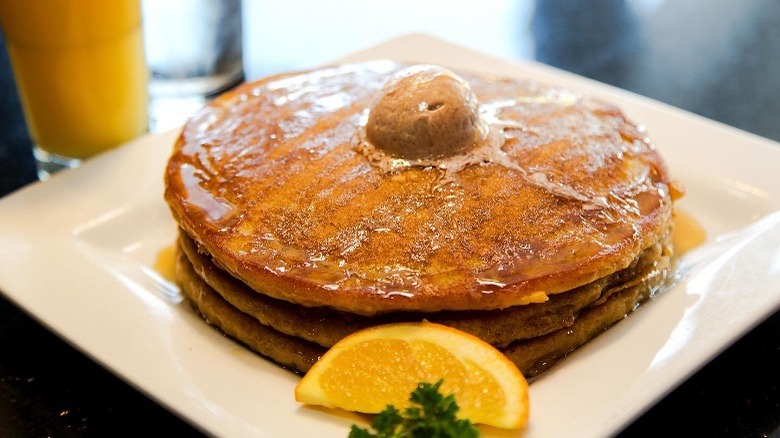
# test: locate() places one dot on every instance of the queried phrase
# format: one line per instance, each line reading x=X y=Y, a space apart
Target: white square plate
x=77 y=253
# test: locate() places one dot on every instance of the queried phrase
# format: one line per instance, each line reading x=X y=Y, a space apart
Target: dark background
x=719 y=59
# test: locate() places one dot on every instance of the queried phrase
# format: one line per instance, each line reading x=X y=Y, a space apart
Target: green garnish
x=431 y=416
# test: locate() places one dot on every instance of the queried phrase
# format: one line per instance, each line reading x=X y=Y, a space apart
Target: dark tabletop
x=719 y=59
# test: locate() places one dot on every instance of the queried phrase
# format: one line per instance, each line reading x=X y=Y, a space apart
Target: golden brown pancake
x=286 y=333
x=269 y=181
x=549 y=222
x=326 y=326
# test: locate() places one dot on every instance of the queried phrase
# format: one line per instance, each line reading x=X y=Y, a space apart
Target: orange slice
x=382 y=365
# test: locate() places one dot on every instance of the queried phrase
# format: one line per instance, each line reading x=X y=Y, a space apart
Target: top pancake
x=270 y=180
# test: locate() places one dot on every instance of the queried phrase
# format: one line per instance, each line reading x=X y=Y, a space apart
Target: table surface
x=716 y=59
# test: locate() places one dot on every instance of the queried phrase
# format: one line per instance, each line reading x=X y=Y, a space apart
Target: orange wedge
x=382 y=365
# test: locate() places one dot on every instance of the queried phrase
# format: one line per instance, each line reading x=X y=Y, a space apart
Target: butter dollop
x=425 y=112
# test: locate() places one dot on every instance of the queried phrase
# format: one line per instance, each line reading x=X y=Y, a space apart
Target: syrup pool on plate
x=687 y=234
x=165 y=262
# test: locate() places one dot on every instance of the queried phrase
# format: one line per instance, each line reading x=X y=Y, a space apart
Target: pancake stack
x=300 y=225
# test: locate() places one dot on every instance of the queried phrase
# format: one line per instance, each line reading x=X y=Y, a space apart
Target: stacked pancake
x=315 y=204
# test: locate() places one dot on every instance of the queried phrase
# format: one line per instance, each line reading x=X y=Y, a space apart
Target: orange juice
x=79 y=66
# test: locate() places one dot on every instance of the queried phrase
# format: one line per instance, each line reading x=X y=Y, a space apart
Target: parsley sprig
x=431 y=416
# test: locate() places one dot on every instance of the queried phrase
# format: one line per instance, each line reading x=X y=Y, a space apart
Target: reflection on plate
x=85 y=269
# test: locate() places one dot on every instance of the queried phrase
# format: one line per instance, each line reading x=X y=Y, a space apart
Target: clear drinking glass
x=194 y=52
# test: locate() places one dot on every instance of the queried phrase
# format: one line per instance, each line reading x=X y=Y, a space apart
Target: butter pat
x=425 y=112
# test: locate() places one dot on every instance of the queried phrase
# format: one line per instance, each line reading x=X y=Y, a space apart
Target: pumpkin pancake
x=326 y=326
x=282 y=183
x=290 y=337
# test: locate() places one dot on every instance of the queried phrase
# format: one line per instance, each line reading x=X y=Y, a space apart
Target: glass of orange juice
x=82 y=78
